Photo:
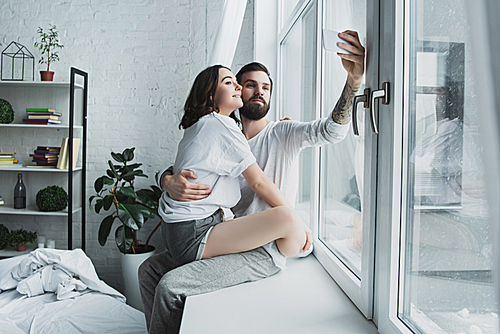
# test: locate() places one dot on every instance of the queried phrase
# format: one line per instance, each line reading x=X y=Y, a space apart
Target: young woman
x=216 y=150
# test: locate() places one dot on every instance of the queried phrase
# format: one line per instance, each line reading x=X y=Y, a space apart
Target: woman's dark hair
x=200 y=101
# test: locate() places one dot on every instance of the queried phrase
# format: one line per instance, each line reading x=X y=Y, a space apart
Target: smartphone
x=330 y=40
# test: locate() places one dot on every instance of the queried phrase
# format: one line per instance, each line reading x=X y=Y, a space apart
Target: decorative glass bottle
x=20 y=193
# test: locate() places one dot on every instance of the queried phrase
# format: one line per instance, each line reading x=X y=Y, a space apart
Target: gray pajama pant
x=165 y=286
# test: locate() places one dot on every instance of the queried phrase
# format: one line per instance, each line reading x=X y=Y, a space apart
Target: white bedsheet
x=82 y=302
x=92 y=312
x=68 y=273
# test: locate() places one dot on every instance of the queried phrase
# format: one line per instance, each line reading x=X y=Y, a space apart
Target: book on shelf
x=63 y=162
x=43 y=113
x=41 y=121
x=43 y=117
x=40 y=109
x=49 y=148
x=46 y=153
x=7 y=154
x=8 y=162
x=45 y=160
x=40 y=167
x=44 y=156
x=15 y=165
x=45 y=163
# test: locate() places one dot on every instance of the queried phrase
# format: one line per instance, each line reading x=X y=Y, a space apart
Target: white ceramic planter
x=130 y=266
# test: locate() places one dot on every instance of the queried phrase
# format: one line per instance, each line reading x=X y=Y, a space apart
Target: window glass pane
x=298 y=52
x=287 y=7
x=448 y=281
x=342 y=163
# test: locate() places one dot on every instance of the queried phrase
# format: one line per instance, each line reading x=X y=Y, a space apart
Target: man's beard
x=254 y=111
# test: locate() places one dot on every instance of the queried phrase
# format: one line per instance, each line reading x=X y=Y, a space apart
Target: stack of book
x=46 y=156
x=8 y=159
x=42 y=116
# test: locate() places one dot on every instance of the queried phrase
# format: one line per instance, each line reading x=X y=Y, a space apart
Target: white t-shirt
x=216 y=150
x=276 y=149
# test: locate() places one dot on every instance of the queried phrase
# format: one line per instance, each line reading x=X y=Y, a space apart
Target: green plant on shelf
x=21 y=237
x=6 y=112
x=4 y=236
x=49 y=42
x=52 y=198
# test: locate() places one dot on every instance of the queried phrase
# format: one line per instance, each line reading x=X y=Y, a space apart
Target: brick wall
x=141 y=56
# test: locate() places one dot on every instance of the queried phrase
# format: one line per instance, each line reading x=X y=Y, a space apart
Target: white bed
x=89 y=306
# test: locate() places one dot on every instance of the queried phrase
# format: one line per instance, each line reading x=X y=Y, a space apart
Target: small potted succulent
x=20 y=238
x=49 y=42
x=6 y=112
x=52 y=198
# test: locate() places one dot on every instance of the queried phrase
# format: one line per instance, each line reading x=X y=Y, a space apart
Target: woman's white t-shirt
x=216 y=150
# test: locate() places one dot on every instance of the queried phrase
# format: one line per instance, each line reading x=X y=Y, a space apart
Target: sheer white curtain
x=228 y=33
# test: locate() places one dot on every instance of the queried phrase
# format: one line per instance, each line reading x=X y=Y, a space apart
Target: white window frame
x=296 y=14
x=344 y=276
x=389 y=254
x=391 y=245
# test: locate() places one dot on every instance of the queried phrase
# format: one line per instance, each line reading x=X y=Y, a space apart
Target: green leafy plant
x=6 y=112
x=4 y=236
x=115 y=192
x=21 y=236
x=49 y=42
x=52 y=198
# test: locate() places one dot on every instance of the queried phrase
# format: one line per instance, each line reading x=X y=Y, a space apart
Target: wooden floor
x=301 y=299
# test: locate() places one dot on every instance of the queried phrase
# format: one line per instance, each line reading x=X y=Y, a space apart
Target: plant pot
x=47 y=75
x=21 y=247
x=130 y=267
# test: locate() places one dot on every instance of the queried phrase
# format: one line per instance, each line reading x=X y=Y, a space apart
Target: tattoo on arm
x=342 y=112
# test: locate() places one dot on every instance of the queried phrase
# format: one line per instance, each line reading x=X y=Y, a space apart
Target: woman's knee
x=287 y=217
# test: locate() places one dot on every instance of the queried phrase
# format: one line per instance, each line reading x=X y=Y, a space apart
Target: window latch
x=377 y=94
x=357 y=99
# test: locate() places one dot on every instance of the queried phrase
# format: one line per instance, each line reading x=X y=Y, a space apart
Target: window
x=417 y=188
x=342 y=169
x=447 y=278
x=297 y=98
x=287 y=7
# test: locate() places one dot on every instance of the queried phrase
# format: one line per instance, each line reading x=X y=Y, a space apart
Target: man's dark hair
x=252 y=67
x=201 y=98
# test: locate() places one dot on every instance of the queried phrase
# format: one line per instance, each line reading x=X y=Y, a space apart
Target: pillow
x=6 y=266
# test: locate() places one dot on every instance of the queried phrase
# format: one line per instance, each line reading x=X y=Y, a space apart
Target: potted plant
x=4 y=236
x=20 y=238
x=52 y=198
x=6 y=112
x=49 y=42
x=115 y=192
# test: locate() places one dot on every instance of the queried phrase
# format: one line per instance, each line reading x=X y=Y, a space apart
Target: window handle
x=377 y=94
x=357 y=99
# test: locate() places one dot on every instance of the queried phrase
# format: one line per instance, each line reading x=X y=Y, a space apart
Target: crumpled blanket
x=67 y=273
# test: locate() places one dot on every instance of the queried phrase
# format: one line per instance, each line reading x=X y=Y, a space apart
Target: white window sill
x=301 y=299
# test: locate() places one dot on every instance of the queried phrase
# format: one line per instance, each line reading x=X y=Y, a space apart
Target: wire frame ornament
x=16 y=51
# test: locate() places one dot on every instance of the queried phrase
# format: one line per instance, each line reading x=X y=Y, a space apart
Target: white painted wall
x=141 y=56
